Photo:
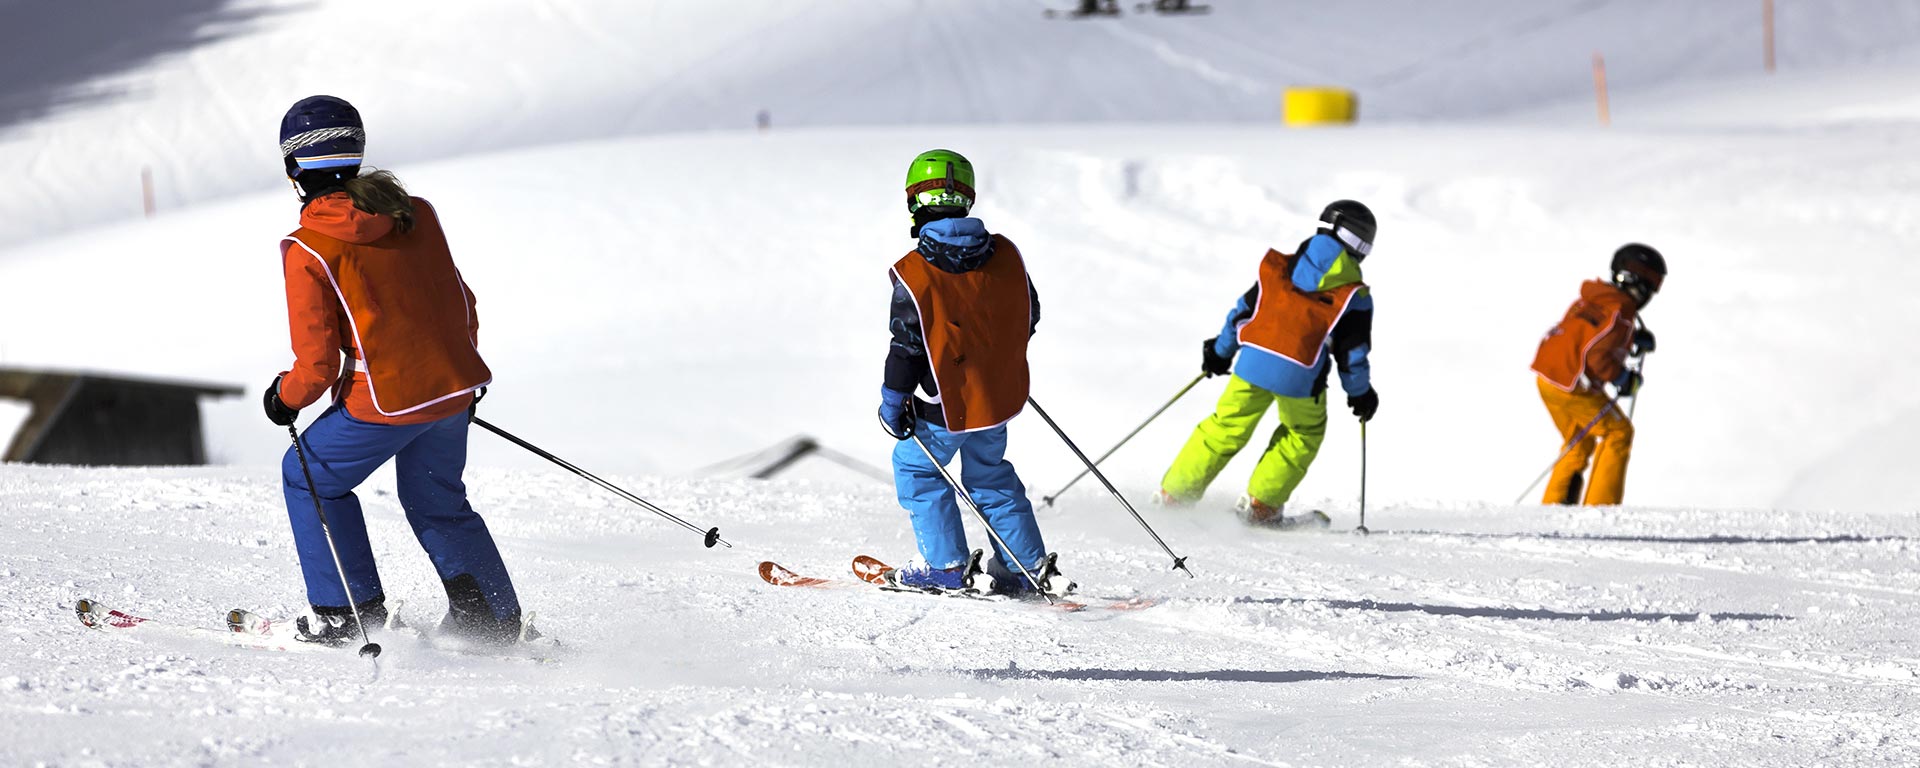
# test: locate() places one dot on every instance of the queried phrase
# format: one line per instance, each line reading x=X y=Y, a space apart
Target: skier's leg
x=1609 y=484
x=1570 y=413
x=456 y=539
x=1303 y=426
x=994 y=485
x=341 y=451
x=928 y=499
x=1216 y=440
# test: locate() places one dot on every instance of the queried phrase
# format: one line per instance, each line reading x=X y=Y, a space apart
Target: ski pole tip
x=370 y=651
x=1180 y=564
x=1362 y=530
x=713 y=537
x=1046 y=501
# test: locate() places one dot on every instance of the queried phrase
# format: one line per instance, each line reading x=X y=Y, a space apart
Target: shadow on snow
x=1845 y=538
x=1176 y=676
x=1514 y=613
x=64 y=55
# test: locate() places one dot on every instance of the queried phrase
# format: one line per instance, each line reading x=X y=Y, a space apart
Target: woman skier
x=370 y=281
x=1306 y=307
x=963 y=310
x=1588 y=349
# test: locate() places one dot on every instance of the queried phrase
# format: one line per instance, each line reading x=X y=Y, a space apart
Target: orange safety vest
x=1592 y=340
x=1292 y=323
x=407 y=309
x=976 y=325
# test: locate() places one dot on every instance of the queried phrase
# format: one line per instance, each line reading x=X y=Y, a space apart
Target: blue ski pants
x=988 y=477
x=342 y=452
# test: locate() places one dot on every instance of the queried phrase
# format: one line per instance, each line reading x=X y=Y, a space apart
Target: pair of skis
x=244 y=629
x=870 y=572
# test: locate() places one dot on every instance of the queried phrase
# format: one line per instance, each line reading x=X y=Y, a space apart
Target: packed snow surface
x=1451 y=636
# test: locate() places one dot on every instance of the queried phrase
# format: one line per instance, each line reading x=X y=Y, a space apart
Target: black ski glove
x=277 y=411
x=1628 y=385
x=1211 y=362
x=1364 y=404
x=1642 y=342
x=473 y=409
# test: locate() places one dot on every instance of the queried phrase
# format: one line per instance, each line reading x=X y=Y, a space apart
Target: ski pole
x=1179 y=563
x=1577 y=437
x=1048 y=500
x=370 y=649
x=1635 y=403
x=968 y=499
x=1362 y=530
x=712 y=535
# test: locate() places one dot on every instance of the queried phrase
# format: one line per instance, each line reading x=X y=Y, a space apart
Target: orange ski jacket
x=392 y=304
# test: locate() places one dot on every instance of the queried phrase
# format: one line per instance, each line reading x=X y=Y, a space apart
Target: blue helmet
x=322 y=132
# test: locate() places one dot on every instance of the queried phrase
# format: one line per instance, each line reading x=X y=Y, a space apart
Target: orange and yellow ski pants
x=1613 y=433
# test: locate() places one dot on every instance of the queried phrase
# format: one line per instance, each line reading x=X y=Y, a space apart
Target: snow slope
x=618 y=313
x=1454 y=636
x=195 y=94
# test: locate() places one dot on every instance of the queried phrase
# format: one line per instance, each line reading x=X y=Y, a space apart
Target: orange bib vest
x=976 y=325
x=1290 y=322
x=1592 y=341
x=407 y=310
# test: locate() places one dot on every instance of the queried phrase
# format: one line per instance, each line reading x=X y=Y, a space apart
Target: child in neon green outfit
x=1308 y=308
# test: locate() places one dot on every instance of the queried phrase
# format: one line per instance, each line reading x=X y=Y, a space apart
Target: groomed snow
x=1452 y=636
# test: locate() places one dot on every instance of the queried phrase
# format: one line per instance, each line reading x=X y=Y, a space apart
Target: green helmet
x=939 y=177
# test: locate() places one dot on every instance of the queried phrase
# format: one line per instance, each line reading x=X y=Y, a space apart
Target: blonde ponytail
x=381 y=192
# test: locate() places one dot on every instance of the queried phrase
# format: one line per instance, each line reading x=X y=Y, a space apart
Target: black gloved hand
x=1642 y=342
x=277 y=411
x=1364 y=404
x=1628 y=384
x=473 y=409
x=1211 y=362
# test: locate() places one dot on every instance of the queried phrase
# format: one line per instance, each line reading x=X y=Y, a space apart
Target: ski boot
x=1259 y=514
x=1047 y=573
x=470 y=617
x=1161 y=498
x=926 y=579
x=334 y=626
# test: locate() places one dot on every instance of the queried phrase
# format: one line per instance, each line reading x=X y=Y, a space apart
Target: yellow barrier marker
x=1308 y=106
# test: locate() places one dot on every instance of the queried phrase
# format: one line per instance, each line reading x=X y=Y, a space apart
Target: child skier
x=963 y=310
x=1587 y=349
x=1306 y=307
x=368 y=274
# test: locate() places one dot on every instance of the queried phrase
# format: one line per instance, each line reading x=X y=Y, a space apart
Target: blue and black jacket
x=954 y=246
x=1323 y=264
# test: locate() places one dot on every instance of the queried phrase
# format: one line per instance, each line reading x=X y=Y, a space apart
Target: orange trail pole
x=1600 y=87
x=1766 y=24
x=146 y=190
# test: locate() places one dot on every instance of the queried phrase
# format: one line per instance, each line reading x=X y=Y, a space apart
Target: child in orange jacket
x=1587 y=349
x=380 y=316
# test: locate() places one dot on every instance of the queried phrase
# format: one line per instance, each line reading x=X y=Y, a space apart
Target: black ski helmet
x=1639 y=270
x=1351 y=223
x=321 y=142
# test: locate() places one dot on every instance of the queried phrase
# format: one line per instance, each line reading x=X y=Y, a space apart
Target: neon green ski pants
x=1303 y=425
